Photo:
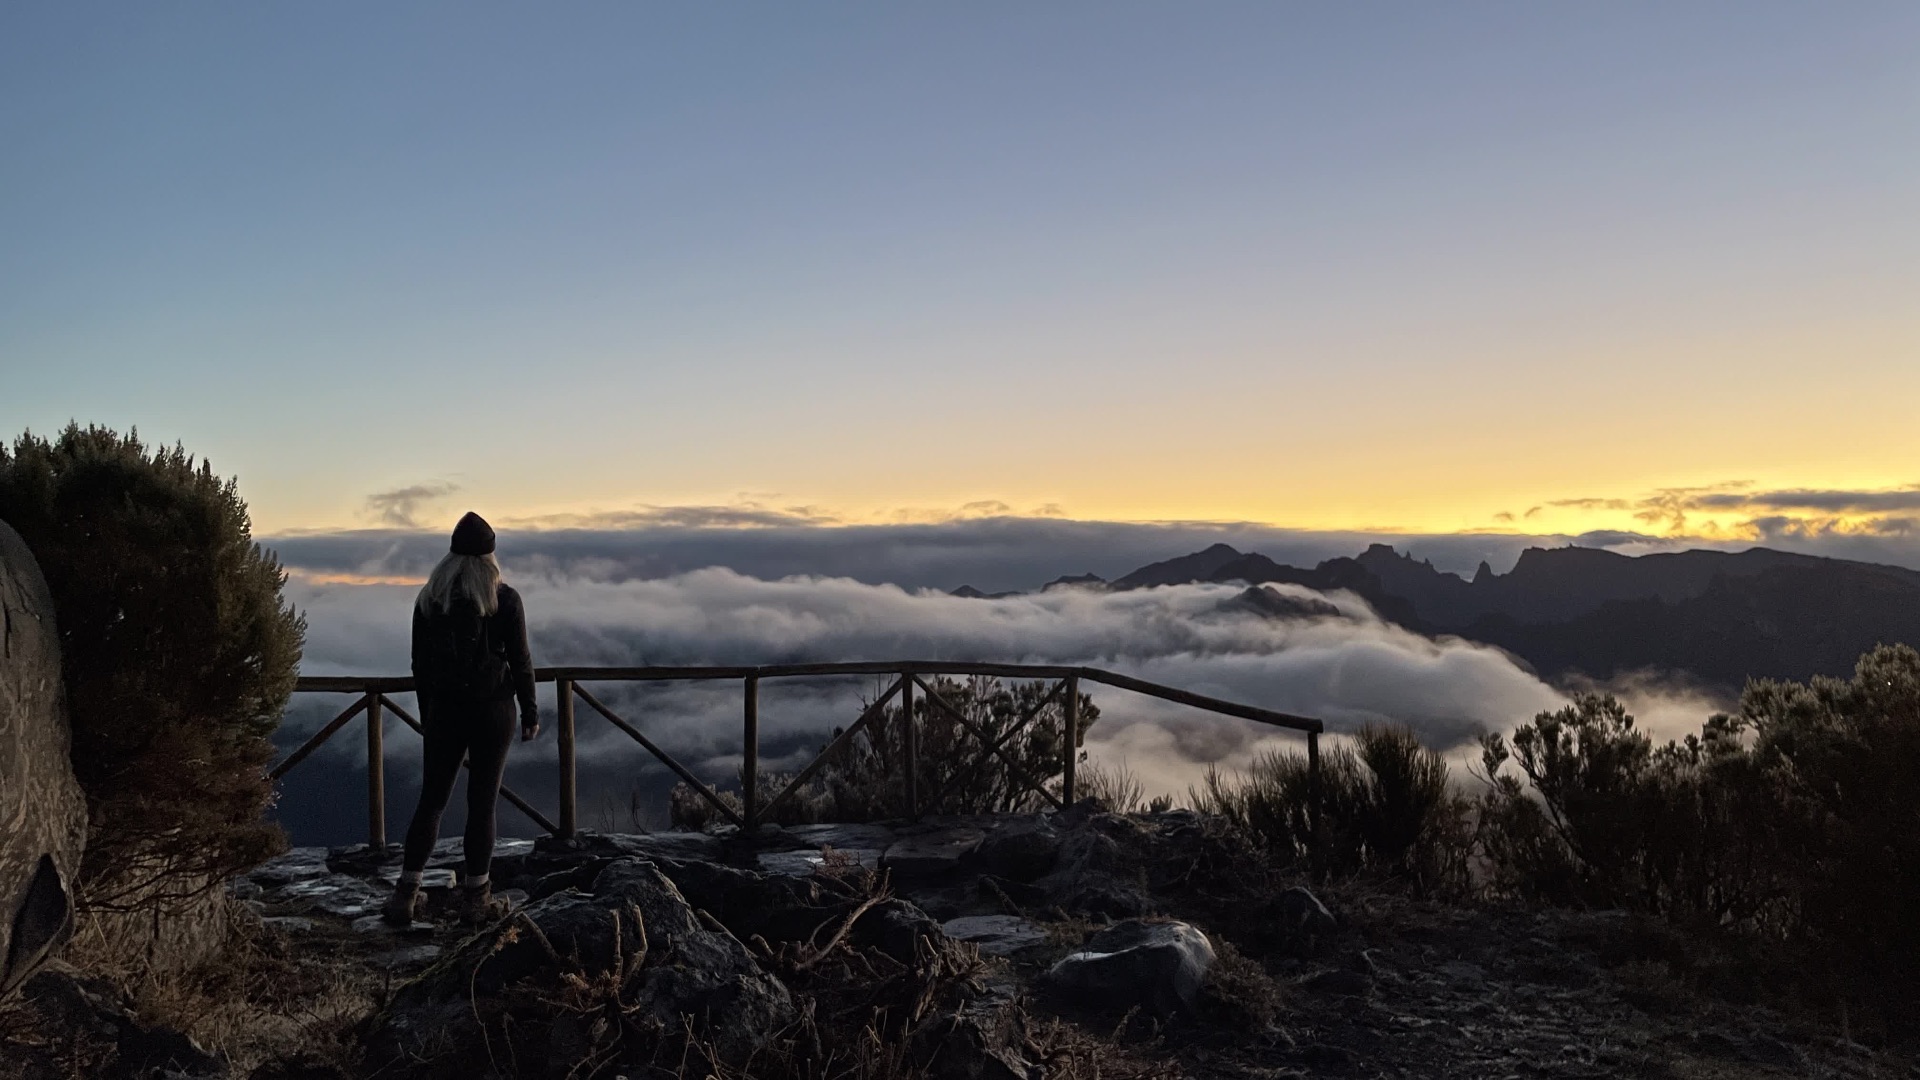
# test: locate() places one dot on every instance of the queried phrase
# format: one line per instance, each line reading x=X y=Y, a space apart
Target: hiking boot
x=399 y=908
x=476 y=904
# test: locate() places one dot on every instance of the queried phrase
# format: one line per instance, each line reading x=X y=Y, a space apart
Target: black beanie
x=473 y=536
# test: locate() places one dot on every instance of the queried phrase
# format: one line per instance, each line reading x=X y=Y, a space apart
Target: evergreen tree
x=179 y=654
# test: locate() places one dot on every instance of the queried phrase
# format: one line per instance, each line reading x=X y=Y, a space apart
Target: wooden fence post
x=563 y=735
x=1070 y=735
x=750 y=739
x=910 y=745
x=376 y=775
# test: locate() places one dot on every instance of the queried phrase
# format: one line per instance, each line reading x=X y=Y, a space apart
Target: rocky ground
x=1082 y=944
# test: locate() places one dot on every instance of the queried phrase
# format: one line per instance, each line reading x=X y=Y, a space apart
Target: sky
x=756 y=327
x=1434 y=269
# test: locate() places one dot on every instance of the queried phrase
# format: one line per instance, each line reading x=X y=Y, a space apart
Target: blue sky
x=1345 y=266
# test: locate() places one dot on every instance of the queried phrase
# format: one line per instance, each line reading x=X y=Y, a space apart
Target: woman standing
x=470 y=664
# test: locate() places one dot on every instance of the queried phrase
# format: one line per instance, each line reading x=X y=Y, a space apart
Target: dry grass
x=1240 y=995
x=264 y=999
x=34 y=1046
x=1115 y=785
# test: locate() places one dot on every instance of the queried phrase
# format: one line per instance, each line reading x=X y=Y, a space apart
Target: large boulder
x=935 y=853
x=1161 y=965
x=1303 y=923
x=1020 y=849
x=624 y=971
x=1086 y=879
x=779 y=907
x=43 y=814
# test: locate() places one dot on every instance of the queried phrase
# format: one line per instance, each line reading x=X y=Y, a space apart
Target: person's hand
x=529 y=727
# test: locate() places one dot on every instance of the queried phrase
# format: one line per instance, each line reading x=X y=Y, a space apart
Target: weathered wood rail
x=910 y=678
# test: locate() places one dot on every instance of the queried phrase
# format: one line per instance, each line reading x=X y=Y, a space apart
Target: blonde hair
x=475 y=578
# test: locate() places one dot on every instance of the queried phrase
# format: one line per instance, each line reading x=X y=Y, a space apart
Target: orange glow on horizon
x=312 y=578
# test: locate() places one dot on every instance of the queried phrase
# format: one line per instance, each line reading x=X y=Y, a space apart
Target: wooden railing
x=908 y=676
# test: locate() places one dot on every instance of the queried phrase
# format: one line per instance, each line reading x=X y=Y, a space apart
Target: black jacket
x=507 y=629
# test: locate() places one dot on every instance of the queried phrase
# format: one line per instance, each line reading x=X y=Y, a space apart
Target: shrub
x=1590 y=837
x=178 y=654
x=1608 y=819
x=1793 y=819
x=1386 y=803
x=863 y=780
x=1829 y=791
x=1273 y=799
x=1114 y=785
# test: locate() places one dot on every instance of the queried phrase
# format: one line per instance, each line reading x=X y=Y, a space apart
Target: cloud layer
x=1872 y=524
x=998 y=552
x=1347 y=669
x=993 y=554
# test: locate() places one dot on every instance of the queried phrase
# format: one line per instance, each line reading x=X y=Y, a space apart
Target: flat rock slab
x=670 y=845
x=374 y=924
x=549 y=852
x=933 y=853
x=843 y=837
x=804 y=863
x=1161 y=965
x=429 y=879
x=297 y=864
x=450 y=853
x=996 y=935
x=339 y=895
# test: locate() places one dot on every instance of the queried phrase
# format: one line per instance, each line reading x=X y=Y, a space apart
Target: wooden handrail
x=506 y=792
x=1201 y=701
x=906 y=676
x=318 y=737
x=667 y=759
x=399 y=684
x=819 y=762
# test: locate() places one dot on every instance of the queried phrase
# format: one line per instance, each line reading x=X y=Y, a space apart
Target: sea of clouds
x=1348 y=669
x=745 y=584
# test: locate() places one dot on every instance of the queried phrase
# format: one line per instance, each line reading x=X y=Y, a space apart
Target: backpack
x=466 y=662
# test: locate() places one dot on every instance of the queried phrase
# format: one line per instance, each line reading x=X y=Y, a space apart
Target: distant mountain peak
x=1076 y=581
x=1273 y=604
x=1199 y=566
x=968 y=592
x=1377 y=554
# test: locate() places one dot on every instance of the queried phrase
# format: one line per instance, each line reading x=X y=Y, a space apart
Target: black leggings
x=480 y=732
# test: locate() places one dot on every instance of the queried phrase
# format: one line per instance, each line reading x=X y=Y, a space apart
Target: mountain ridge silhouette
x=1722 y=617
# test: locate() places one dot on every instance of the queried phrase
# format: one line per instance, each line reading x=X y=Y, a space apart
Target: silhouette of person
x=471 y=665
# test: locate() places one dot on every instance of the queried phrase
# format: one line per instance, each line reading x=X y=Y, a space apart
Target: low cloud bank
x=1347 y=669
x=991 y=554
